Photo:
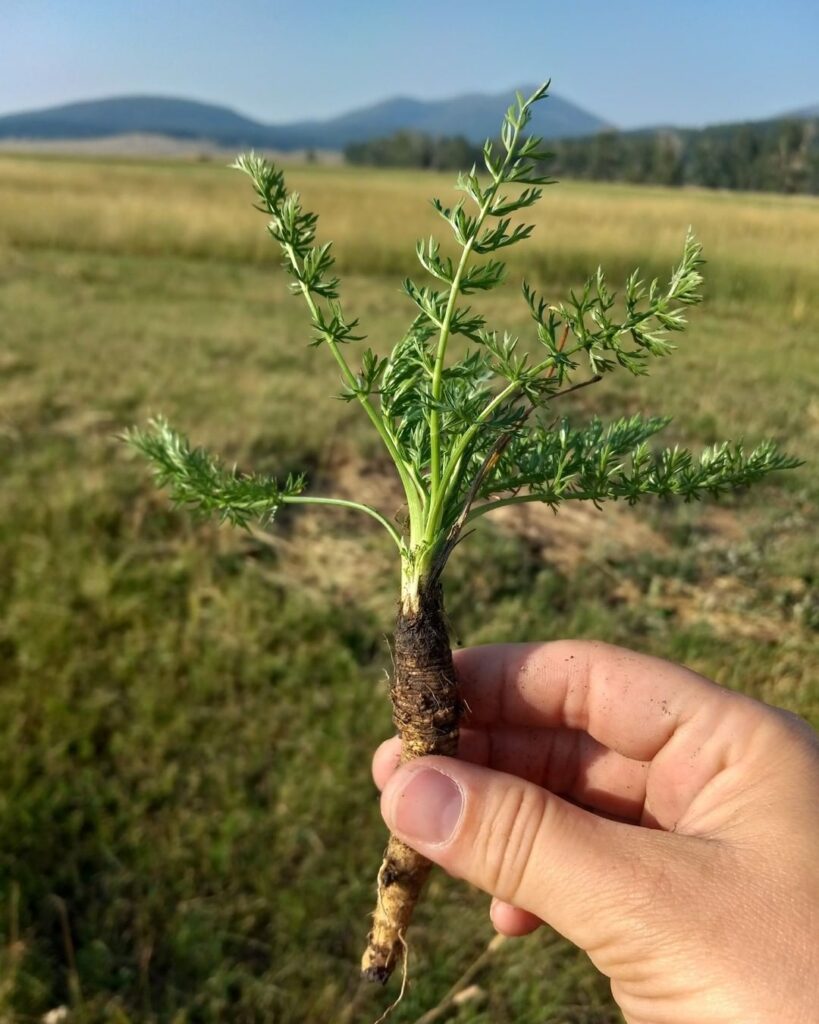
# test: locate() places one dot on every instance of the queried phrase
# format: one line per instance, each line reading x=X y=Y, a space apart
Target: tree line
x=769 y=156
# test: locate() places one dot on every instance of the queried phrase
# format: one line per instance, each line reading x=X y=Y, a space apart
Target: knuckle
x=509 y=841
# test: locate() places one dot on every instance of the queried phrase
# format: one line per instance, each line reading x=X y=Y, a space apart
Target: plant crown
x=476 y=433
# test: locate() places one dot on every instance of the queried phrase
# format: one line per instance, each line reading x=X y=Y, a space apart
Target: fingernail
x=427 y=808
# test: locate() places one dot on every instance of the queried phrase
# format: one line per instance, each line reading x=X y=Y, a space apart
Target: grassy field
x=189 y=831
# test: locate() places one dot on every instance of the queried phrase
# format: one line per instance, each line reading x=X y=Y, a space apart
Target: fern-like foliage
x=477 y=432
x=200 y=483
x=606 y=462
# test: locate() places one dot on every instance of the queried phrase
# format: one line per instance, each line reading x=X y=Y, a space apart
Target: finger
x=565 y=761
x=526 y=846
x=512 y=921
x=631 y=703
x=387 y=757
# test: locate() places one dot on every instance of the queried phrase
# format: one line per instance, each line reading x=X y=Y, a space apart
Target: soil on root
x=426 y=710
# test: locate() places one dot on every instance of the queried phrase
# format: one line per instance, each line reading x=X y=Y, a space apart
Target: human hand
x=668 y=827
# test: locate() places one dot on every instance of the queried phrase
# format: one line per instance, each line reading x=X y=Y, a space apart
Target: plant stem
x=459 y=450
x=377 y=420
x=446 y=326
x=490 y=506
x=438 y=369
x=358 y=506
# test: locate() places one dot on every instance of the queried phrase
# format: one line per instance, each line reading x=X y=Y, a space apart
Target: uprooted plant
x=471 y=434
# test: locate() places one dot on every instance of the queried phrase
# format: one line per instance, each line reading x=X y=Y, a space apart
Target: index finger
x=632 y=703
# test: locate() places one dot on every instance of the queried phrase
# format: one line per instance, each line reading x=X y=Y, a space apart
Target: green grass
x=187 y=713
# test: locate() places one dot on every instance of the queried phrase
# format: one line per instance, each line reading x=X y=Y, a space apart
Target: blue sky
x=632 y=62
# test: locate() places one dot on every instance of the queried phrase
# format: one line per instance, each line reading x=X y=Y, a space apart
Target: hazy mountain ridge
x=125 y=115
x=804 y=113
x=476 y=116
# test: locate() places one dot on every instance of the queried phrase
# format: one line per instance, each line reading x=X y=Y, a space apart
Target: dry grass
x=767 y=242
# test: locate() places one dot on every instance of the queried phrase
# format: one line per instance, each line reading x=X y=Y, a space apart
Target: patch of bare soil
x=344 y=556
x=348 y=475
x=338 y=555
x=725 y=604
x=579 y=533
x=329 y=564
x=721 y=523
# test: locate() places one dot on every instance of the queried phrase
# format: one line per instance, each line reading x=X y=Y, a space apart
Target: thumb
x=578 y=872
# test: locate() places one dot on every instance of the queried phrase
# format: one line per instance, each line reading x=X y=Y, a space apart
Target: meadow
x=187 y=712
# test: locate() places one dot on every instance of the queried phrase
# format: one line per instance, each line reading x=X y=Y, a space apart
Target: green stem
x=520 y=499
x=458 y=452
x=508 y=391
x=410 y=486
x=446 y=329
x=438 y=369
x=358 y=506
x=490 y=506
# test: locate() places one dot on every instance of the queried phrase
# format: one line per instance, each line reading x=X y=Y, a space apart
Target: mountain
x=806 y=113
x=124 y=115
x=475 y=116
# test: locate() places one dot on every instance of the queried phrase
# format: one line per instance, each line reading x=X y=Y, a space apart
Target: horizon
x=55 y=56
x=395 y=97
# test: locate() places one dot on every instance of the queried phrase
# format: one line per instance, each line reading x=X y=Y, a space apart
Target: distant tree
x=792 y=155
x=415 y=149
x=606 y=157
x=775 y=156
x=668 y=165
x=708 y=165
x=454 y=153
x=746 y=158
